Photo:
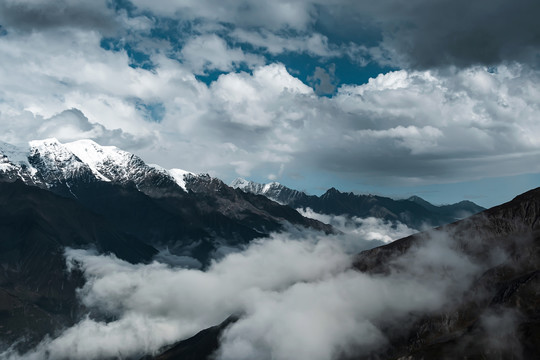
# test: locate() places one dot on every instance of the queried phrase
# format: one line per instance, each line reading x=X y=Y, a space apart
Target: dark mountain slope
x=37 y=295
x=200 y=346
x=414 y=214
x=148 y=202
x=193 y=223
x=510 y=290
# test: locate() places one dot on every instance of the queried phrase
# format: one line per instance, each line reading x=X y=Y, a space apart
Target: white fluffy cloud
x=367 y=229
x=314 y=44
x=210 y=52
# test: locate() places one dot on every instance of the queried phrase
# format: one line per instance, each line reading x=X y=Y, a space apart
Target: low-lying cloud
x=296 y=298
x=368 y=229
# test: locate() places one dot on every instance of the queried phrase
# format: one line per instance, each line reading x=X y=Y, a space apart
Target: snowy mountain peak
x=44 y=142
x=13 y=154
x=95 y=155
x=55 y=164
x=240 y=183
x=257 y=188
x=108 y=162
x=180 y=175
x=272 y=186
x=51 y=149
x=273 y=190
x=123 y=167
x=48 y=163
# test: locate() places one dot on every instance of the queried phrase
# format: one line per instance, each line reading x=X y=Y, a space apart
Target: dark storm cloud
x=426 y=34
x=39 y=15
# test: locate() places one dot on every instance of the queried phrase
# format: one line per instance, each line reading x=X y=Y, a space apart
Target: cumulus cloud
x=419 y=34
x=210 y=52
x=71 y=125
x=274 y=15
x=294 y=296
x=313 y=44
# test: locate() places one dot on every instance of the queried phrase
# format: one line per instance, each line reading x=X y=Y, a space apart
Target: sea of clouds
x=296 y=293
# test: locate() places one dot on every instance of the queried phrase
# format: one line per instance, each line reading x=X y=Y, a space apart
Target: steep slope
x=507 y=295
x=37 y=295
x=247 y=207
x=55 y=195
x=123 y=168
x=173 y=209
x=414 y=212
x=201 y=346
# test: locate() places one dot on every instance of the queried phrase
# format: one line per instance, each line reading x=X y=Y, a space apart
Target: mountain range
x=81 y=194
x=415 y=212
x=55 y=196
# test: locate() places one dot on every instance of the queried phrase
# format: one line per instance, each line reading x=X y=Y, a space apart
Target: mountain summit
x=51 y=164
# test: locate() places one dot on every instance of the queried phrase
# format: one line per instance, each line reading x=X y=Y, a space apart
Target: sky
x=434 y=98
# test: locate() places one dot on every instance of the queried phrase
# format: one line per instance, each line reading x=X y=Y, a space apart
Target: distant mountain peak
x=333 y=190
x=272 y=190
x=414 y=211
x=240 y=183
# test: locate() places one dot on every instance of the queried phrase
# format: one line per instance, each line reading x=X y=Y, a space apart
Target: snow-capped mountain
x=274 y=190
x=49 y=163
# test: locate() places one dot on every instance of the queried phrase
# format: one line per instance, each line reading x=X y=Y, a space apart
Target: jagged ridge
x=414 y=212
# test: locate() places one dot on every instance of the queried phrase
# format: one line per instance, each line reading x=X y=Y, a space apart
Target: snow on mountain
x=12 y=157
x=13 y=154
x=110 y=162
x=57 y=165
x=179 y=176
x=274 y=190
x=48 y=163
